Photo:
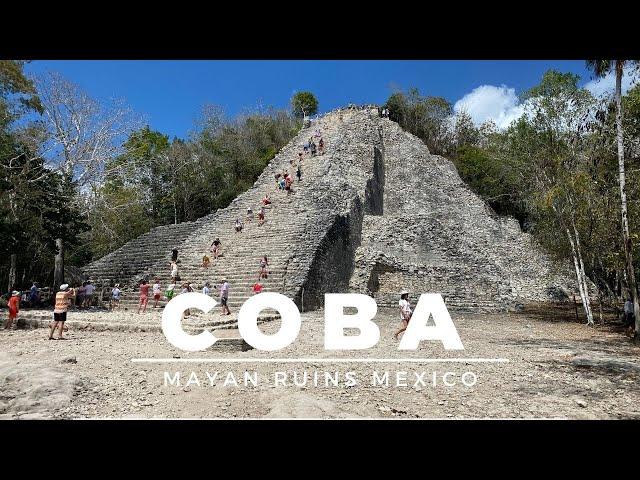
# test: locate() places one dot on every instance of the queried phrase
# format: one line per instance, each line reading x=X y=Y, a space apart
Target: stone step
x=144 y=322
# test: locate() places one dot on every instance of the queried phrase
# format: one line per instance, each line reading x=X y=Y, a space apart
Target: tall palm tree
x=601 y=68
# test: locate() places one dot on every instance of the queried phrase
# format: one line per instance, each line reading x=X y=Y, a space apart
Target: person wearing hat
x=14 y=308
x=63 y=299
x=115 y=296
x=405 y=312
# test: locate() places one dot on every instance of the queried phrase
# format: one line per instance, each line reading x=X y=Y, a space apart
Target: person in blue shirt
x=34 y=295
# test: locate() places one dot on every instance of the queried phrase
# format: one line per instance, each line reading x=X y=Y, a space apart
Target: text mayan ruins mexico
x=375 y=214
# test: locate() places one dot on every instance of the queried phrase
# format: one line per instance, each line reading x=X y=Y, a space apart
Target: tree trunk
x=12 y=272
x=600 y=307
x=584 y=294
x=628 y=247
x=583 y=275
x=58 y=269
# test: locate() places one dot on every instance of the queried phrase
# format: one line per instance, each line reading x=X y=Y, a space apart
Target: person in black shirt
x=215 y=248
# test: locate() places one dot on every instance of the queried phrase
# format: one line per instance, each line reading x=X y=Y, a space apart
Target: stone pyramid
x=376 y=213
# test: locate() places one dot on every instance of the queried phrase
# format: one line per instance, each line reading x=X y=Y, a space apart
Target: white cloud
x=604 y=86
x=502 y=106
x=488 y=102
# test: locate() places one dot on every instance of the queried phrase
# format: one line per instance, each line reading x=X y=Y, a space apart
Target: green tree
x=156 y=181
x=19 y=164
x=602 y=68
x=304 y=104
x=426 y=117
x=550 y=146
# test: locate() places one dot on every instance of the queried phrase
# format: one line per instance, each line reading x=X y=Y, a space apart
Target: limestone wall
x=436 y=235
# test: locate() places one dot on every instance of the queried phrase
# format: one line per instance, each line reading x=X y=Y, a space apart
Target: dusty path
x=555 y=370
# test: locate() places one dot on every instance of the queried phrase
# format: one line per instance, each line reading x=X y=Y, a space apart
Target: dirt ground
x=555 y=369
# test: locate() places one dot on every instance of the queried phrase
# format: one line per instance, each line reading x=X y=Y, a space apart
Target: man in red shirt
x=14 y=308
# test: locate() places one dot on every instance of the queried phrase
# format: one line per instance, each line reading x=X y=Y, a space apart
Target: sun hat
x=64 y=286
x=171 y=287
x=403 y=292
x=15 y=293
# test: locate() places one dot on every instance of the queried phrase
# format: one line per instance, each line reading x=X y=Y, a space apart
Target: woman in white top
x=405 y=312
x=174 y=271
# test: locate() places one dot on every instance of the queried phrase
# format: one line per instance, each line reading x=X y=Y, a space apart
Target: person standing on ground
x=238 y=226
x=79 y=300
x=88 y=293
x=115 y=297
x=266 y=200
x=405 y=312
x=34 y=295
x=63 y=300
x=261 y=217
x=144 y=296
x=205 y=261
x=321 y=146
x=206 y=290
x=299 y=173
x=157 y=292
x=224 y=297
x=14 y=308
x=249 y=214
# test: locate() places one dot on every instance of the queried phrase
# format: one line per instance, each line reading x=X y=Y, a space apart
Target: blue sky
x=171 y=93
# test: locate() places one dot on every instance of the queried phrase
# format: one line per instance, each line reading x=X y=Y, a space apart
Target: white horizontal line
x=320 y=360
